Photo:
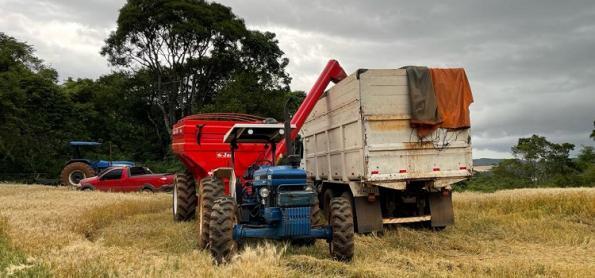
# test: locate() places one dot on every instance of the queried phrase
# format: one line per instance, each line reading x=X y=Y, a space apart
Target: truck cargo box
x=359 y=131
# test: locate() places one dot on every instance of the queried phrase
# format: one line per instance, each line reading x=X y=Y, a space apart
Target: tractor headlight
x=264 y=192
x=309 y=187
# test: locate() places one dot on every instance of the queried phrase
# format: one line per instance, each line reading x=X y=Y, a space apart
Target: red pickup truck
x=128 y=179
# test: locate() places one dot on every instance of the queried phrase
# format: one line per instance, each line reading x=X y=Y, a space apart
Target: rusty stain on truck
x=388 y=125
x=418 y=145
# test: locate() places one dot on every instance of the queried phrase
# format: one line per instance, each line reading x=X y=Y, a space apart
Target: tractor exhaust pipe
x=292 y=159
x=287 y=121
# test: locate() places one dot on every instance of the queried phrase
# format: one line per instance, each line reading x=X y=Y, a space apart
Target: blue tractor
x=78 y=168
x=269 y=201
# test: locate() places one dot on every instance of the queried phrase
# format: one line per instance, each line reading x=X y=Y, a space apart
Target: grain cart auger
x=242 y=193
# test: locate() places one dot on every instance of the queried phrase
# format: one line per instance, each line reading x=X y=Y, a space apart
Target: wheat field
x=46 y=231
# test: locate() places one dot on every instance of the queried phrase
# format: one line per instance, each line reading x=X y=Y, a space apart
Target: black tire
x=316 y=213
x=184 y=197
x=317 y=220
x=341 y=220
x=223 y=219
x=327 y=196
x=211 y=188
x=72 y=173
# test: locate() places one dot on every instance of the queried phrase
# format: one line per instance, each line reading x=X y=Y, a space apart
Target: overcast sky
x=531 y=64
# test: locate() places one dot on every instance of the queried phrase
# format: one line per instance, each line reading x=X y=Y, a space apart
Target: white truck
x=358 y=143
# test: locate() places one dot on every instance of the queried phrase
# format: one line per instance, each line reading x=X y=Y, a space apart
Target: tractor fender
x=86 y=161
x=223 y=173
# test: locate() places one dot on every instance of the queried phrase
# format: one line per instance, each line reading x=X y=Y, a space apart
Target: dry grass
x=537 y=232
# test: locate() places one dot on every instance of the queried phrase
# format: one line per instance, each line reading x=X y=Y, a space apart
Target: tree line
x=538 y=162
x=170 y=59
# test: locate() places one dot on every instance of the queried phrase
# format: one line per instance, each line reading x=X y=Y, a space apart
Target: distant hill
x=486 y=161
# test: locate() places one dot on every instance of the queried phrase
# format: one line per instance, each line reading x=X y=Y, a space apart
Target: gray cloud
x=530 y=63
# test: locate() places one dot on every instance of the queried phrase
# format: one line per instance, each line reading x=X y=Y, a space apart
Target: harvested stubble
x=529 y=232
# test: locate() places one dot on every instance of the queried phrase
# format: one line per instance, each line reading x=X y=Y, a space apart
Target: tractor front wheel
x=223 y=219
x=73 y=173
x=184 y=197
x=210 y=189
x=341 y=220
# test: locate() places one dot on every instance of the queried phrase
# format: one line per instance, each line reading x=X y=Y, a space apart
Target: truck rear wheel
x=184 y=197
x=341 y=220
x=73 y=173
x=222 y=220
x=211 y=188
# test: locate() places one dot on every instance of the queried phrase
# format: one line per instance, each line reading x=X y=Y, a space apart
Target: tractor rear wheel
x=327 y=195
x=223 y=219
x=184 y=197
x=341 y=246
x=73 y=173
x=210 y=189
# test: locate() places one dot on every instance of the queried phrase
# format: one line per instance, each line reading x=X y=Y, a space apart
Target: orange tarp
x=453 y=95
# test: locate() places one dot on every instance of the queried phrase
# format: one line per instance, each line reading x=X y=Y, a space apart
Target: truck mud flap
x=441 y=209
x=368 y=215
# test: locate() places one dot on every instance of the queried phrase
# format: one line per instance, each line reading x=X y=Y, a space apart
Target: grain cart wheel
x=223 y=219
x=73 y=173
x=211 y=188
x=341 y=221
x=184 y=197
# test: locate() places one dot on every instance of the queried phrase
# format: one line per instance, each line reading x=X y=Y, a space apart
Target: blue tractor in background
x=78 y=167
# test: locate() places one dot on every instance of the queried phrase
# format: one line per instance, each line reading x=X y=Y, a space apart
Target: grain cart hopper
x=358 y=143
x=242 y=194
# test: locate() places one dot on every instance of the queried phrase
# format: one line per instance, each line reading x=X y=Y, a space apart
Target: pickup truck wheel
x=341 y=246
x=210 y=189
x=184 y=197
x=223 y=219
x=73 y=173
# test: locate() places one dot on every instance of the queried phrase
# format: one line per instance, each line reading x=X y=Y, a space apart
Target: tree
x=593 y=132
x=543 y=159
x=33 y=109
x=191 y=50
x=245 y=95
x=586 y=157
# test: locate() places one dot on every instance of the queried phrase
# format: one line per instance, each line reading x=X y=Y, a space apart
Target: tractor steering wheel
x=264 y=162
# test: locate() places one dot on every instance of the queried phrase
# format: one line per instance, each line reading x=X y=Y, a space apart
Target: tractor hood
x=278 y=175
x=105 y=163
